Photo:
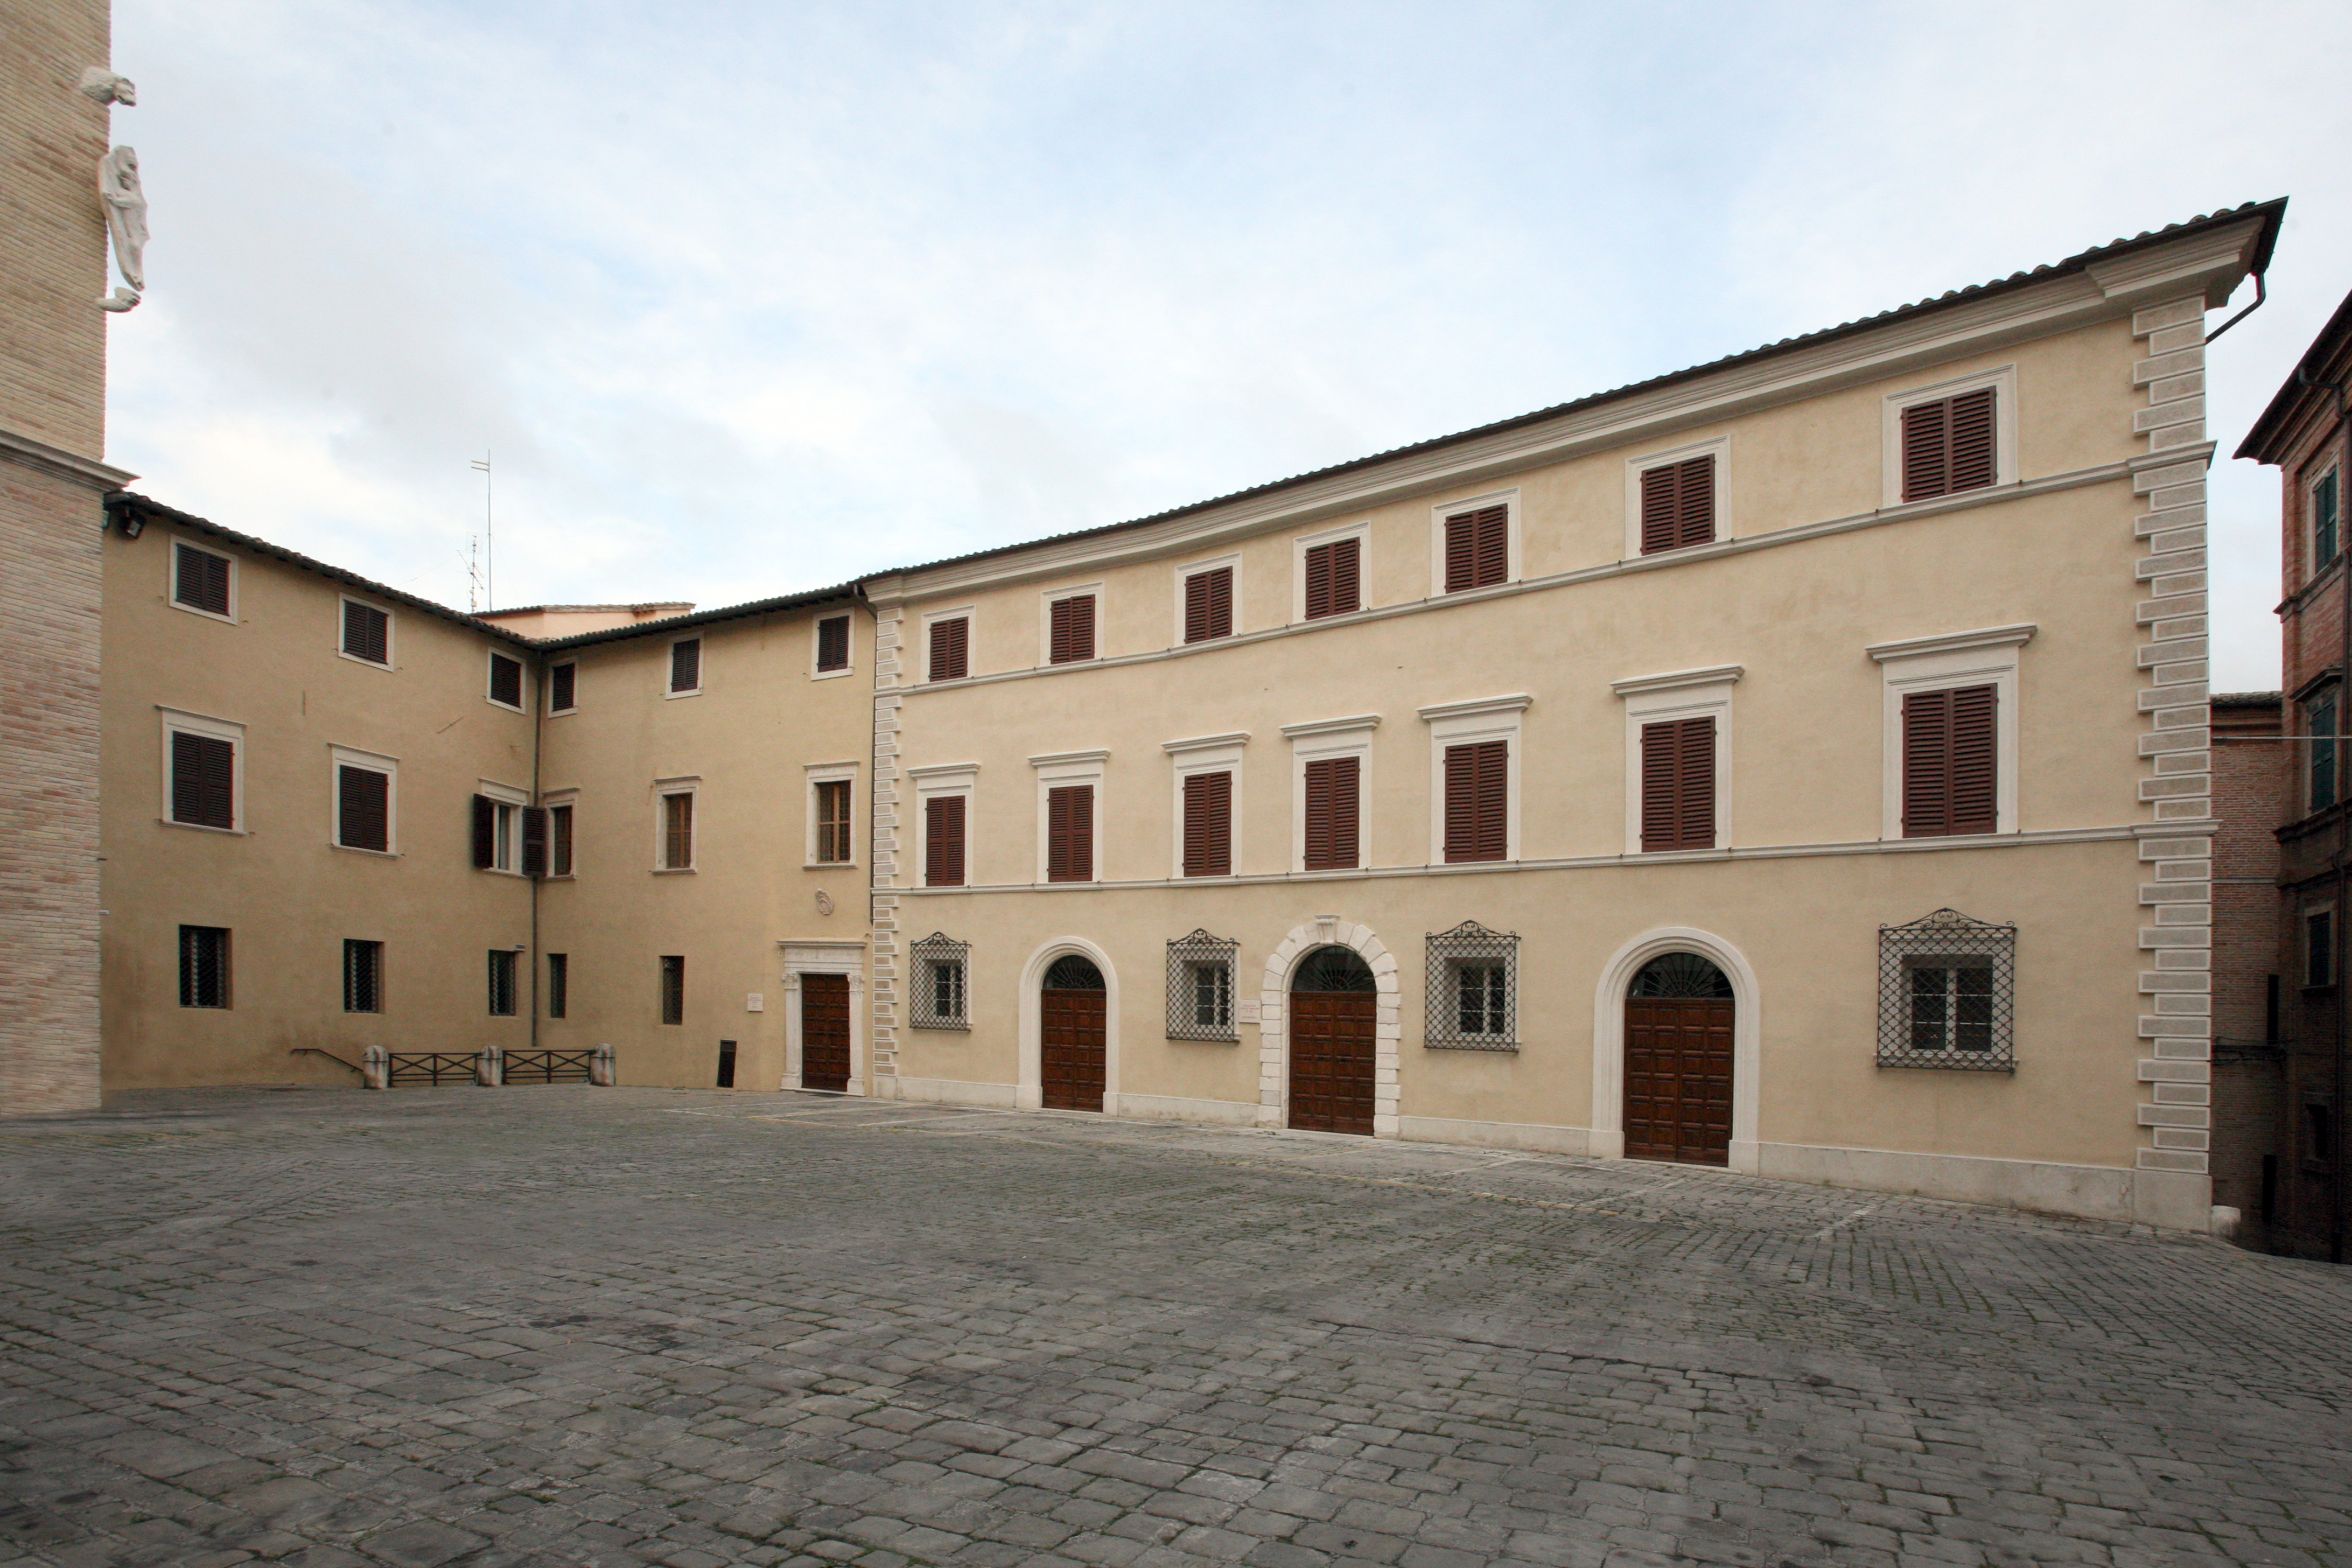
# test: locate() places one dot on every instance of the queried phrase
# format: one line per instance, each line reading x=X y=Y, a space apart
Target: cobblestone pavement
x=564 y=1325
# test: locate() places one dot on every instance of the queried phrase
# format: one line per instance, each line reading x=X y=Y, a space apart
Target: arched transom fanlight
x=1074 y=972
x=1680 y=974
x=1334 y=969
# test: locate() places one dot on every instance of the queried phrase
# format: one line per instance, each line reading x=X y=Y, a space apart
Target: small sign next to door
x=1246 y=1013
x=753 y=1002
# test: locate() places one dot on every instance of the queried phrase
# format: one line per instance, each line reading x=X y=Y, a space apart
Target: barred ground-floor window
x=942 y=983
x=1473 y=990
x=1946 y=987
x=204 y=966
x=1201 y=977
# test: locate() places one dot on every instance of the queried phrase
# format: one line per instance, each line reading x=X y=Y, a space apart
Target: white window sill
x=369 y=663
x=505 y=707
x=561 y=712
x=203 y=828
x=673 y=870
x=362 y=849
x=828 y=865
x=830 y=674
x=208 y=615
x=670 y=696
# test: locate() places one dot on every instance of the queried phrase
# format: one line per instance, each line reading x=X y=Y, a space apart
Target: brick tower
x=52 y=439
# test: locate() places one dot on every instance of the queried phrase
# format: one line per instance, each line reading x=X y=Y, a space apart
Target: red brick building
x=2303 y=433
x=2252 y=774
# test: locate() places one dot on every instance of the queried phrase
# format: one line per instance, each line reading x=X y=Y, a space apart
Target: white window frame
x=1057 y=770
x=1312 y=742
x=1719 y=448
x=506 y=829
x=968 y=615
x=2003 y=379
x=215 y=728
x=931 y=784
x=1301 y=543
x=1678 y=694
x=171 y=578
x=341 y=757
x=1045 y=603
x=522 y=684
x=685 y=784
x=1184 y=575
x=1203 y=755
x=552 y=710
x=569 y=800
x=1460 y=724
x=390 y=632
x=1437 y=516
x=1988 y=656
x=701 y=666
x=831 y=772
x=816 y=640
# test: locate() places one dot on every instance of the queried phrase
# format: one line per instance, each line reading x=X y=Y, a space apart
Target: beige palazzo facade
x=1799 y=763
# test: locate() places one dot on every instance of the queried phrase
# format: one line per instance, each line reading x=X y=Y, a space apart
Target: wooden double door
x=825 y=1032
x=1333 y=1062
x=1074 y=1052
x=1678 y=1079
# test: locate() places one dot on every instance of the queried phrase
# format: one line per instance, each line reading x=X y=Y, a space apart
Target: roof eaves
x=669 y=623
x=2263 y=442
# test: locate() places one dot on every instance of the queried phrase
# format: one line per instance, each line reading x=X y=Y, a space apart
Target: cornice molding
x=941 y=770
x=1055 y=759
x=2212 y=264
x=1332 y=726
x=1674 y=679
x=1512 y=704
x=1202 y=743
x=1953 y=642
x=65 y=465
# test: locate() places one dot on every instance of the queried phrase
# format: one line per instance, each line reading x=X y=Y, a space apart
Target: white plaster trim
x=1174 y=1107
x=1532 y=1137
x=1074 y=760
x=65 y=465
x=226 y=730
x=820 y=957
x=1314 y=743
x=172 y=576
x=967 y=614
x=1230 y=561
x=1045 y=603
x=340 y=757
x=1608 y=1139
x=943 y=776
x=661 y=789
x=1208 y=755
x=1942 y=664
x=1063 y=770
x=1684 y=694
x=815 y=773
x=815 y=638
x=1031 y=1092
x=2003 y=379
x=1274 y=1020
x=1719 y=448
x=1459 y=724
x=506 y=852
x=390 y=631
x=1509 y=499
x=669 y=664
x=935 y=782
x=1300 y=545
x=1678 y=679
x=1332 y=726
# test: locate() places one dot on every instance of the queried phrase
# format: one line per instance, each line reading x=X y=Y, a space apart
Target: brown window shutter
x=200 y=579
x=951 y=649
x=559 y=840
x=943 y=842
x=1477 y=801
x=678 y=832
x=563 y=687
x=203 y=780
x=1477 y=548
x=686 y=664
x=1073 y=640
x=1209 y=824
x=486 y=833
x=832 y=643
x=1070 y=833
x=364 y=807
x=1678 y=505
x=1679 y=784
x=1334 y=578
x=367 y=632
x=833 y=820
x=505 y=680
x=1949 y=779
x=1948 y=445
x=534 y=841
x=1332 y=815
x=1209 y=606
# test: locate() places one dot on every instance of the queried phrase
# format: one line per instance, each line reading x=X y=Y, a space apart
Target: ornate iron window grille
x=940 y=983
x=1473 y=1001
x=1201 y=986
x=1946 y=990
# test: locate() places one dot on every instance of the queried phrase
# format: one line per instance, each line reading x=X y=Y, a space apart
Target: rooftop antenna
x=489 y=557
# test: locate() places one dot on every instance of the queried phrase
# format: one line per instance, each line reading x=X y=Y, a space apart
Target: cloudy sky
x=756 y=296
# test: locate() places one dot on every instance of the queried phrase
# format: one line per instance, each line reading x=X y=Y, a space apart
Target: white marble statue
x=103 y=85
x=126 y=215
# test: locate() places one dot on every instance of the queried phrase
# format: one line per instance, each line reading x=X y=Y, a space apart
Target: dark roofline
x=681 y=605
x=2269 y=212
x=851 y=591
x=2262 y=442
x=155 y=511
x=2248 y=699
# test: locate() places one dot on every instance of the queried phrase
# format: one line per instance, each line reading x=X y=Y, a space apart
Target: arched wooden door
x=1074 y=1054
x=1332 y=1008
x=1678 y=1014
